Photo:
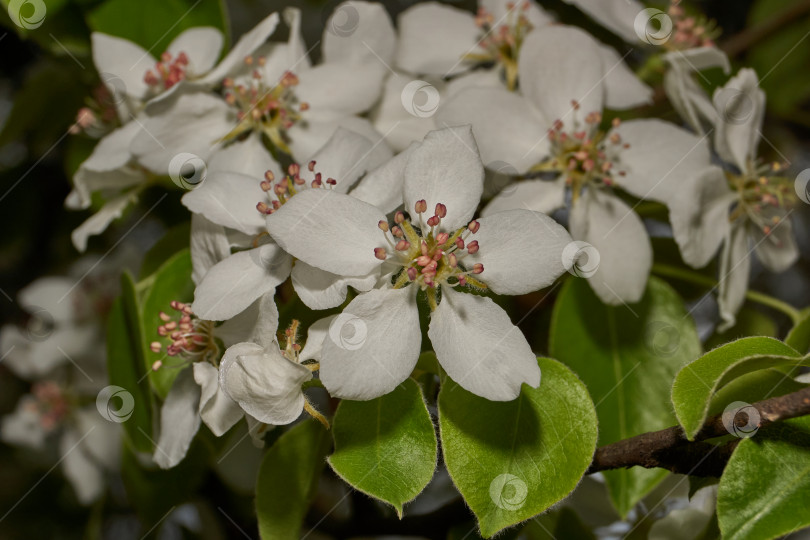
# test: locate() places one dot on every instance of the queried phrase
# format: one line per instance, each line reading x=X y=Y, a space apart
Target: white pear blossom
x=556 y=130
x=513 y=252
x=745 y=206
x=241 y=201
x=295 y=106
x=132 y=77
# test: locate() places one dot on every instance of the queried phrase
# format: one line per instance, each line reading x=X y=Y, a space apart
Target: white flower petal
x=699 y=211
x=219 y=412
x=209 y=245
x=480 y=348
x=569 y=57
x=507 y=129
x=623 y=90
x=689 y=98
x=382 y=187
x=122 y=64
x=179 y=421
x=373 y=345
x=625 y=255
x=112 y=150
x=189 y=121
x=256 y=324
x=244 y=47
x=359 y=32
x=328 y=230
x=740 y=107
x=521 y=250
x=98 y=222
x=202 y=45
x=23 y=427
x=51 y=294
x=344 y=158
x=778 y=251
x=538 y=195
x=618 y=16
x=79 y=468
x=501 y=10
x=307 y=138
x=264 y=383
x=229 y=199
x=402 y=126
x=433 y=39
x=319 y=289
x=660 y=157
x=735 y=269
x=248 y=157
x=316 y=334
x=232 y=285
x=446 y=169
x=107 y=183
x=338 y=89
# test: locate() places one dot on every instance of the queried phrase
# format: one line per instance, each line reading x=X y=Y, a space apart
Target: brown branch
x=750 y=37
x=669 y=449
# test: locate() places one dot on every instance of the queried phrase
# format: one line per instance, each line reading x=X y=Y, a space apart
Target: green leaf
x=627 y=357
x=125 y=364
x=513 y=460
x=756 y=386
x=750 y=322
x=386 y=447
x=799 y=335
x=288 y=479
x=765 y=488
x=153 y=24
x=696 y=383
x=172 y=281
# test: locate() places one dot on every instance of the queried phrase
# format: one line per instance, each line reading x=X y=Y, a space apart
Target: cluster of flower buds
x=689 y=31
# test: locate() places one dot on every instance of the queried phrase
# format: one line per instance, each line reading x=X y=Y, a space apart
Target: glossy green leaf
x=172 y=242
x=799 y=335
x=765 y=489
x=696 y=383
x=756 y=386
x=513 y=460
x=126 y=368
x=288 y=479
x=172 y=281
x=153 y=24
x=627 y=357
x=386 y=447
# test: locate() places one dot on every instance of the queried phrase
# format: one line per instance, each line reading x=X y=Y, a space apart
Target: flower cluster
x=331 y=184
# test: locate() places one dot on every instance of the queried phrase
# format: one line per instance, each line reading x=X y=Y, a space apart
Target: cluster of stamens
x=428 y=257
x=689 y=31
x=584 y=154
x=765 y=199
x=189 y=337
x=502 y=44
x=279 y=191
x=271 y=110
x=168 y=71
x=50 y=404
x=99 y=117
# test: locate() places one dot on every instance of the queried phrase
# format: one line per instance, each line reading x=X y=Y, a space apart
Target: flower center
x=168 y=71
x=279 y=192
x=584 y=155
x=188 y=337
x=271 y=110
x=501 y=44
x=689 y=31
x=50 y=403
x=429 y=258
x=765 y=199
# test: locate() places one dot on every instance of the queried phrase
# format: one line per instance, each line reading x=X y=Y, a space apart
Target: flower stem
x=754 y=296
